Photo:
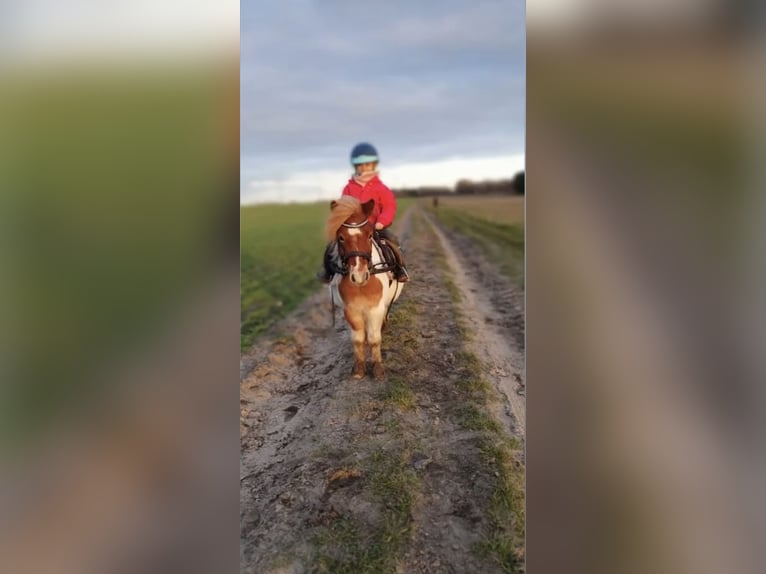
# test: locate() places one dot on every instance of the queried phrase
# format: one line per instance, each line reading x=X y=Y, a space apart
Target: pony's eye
x=340 y=239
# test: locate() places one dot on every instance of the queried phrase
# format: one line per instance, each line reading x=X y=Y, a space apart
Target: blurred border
x=119 y=318
x=644 y=217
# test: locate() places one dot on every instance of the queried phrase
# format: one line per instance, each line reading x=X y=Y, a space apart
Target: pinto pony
x=364 y=283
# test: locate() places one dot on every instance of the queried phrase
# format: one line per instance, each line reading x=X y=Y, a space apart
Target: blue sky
x=437 y=86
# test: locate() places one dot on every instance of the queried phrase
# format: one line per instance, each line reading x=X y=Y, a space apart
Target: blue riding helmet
x=363 y=153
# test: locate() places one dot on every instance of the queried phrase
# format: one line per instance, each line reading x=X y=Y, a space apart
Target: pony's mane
x=345 y=207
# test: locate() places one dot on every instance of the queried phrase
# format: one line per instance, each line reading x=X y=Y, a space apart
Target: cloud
x=472 y=27
x=424 y=81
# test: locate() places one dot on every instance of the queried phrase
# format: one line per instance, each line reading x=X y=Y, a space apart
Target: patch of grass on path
x=347 y=548
x=398 y=393
x=505 y=541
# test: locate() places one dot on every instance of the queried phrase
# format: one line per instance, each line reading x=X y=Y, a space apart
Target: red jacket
x=385 y=202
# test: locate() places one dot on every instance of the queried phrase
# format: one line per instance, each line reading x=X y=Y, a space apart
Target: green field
x=506 y=209
x=281 y=251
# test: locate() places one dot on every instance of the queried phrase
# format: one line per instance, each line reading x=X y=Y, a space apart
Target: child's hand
x=379 y=226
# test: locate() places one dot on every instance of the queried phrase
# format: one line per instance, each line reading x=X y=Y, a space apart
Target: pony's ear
x=333 y=203
x=367 y=207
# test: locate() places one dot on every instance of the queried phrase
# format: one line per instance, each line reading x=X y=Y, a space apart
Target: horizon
x=323 y=185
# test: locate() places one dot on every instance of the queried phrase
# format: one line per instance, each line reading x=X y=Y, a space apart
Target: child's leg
x=401 y=272
x=393 y=242
x=326 y=275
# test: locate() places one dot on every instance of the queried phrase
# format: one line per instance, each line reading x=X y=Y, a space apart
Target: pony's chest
x=367 y=296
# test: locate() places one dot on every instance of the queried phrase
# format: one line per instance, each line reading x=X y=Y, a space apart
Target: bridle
x=346 y=255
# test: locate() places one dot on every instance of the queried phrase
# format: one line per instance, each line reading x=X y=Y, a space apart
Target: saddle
x=385 y=248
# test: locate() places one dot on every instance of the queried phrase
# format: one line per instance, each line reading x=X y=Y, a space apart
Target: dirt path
x=494 y=309
x=411 y=474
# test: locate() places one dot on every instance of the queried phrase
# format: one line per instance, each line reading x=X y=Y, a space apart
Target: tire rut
x=493 y=307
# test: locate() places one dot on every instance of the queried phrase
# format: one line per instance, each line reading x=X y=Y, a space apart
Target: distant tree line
x=514 y=186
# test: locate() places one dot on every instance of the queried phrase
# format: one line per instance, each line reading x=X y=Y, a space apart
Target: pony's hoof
x=358 y=372
x=377 y=371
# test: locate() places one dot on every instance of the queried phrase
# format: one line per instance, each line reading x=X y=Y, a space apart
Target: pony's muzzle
x=359 y=278
x=358 y=270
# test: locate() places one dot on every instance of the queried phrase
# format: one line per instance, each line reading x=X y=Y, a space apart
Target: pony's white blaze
x=357 y=270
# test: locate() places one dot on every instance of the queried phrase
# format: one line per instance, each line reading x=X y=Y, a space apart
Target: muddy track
x=494 y=294
x=328 y=465
x=494 y=309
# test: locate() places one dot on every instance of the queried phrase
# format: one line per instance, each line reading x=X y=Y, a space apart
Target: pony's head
x=349 y=224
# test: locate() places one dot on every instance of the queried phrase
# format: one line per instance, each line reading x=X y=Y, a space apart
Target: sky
x=437 y=86
x=50 y=30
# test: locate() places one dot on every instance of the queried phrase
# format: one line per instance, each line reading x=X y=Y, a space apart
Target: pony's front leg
x=356 y=322
x=374 y=339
